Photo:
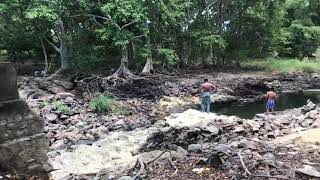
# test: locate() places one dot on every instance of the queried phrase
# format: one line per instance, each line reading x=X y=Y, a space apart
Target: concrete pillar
x=8 y=82
x=23 y=145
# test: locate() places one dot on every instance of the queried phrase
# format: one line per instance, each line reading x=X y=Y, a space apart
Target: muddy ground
x=148 y=100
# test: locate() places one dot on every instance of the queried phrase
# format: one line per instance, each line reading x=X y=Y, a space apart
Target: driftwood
x=243 y=164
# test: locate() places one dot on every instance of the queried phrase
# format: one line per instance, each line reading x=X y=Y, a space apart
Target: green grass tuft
x=285 y=65
x=61 y=107
x=104 y=103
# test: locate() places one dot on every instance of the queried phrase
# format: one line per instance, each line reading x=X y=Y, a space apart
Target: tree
x=49 y=17
x=119 y=23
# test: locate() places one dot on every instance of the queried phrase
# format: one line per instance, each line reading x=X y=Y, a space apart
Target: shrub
x=103 y=103
x=61 y=107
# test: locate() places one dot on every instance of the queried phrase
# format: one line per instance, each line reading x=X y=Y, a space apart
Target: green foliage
x=170 y=57
x=105 y=103
x=285 y=65
x=179 y=30
x=303 y=40
x=45 y=103
x=60 y=106
x=206 y=39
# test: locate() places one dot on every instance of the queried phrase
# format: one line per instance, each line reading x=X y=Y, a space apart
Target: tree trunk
x=186 y=51
x=239 y=33
x=186 y=45
x=123 y=70
x=210 y=59
x=46 y=69
x=148 y=67
x=65 y=64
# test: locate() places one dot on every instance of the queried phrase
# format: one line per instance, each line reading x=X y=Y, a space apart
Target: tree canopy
x=137 y=35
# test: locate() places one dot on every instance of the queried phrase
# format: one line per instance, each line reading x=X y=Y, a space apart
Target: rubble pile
x=262 y=148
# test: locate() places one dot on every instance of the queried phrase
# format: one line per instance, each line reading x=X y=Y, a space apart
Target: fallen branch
x=163 y=152
x=243 y=164
x=141 y=169
x=174 y=167
x=143 y=164
x=269 y=177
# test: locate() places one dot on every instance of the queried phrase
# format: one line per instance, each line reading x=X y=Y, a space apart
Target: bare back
x=271 y=95
x=207 y=87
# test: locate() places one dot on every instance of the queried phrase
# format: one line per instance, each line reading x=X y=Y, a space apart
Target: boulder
x=195 y=148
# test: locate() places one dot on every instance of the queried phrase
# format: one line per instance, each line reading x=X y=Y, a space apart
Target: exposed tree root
x=122 y=72
x=148 y=68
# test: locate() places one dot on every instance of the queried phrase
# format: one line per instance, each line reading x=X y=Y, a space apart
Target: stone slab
x=8 y=82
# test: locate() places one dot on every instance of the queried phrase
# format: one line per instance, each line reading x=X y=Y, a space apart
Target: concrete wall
x=23 y=145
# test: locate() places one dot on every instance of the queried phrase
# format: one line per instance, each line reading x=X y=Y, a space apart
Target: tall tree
x=119 y=23
x=53 y=20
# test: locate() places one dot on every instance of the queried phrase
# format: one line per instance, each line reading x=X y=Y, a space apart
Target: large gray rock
x=23 y=145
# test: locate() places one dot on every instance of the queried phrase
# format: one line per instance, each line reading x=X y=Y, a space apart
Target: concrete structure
x=23 y=145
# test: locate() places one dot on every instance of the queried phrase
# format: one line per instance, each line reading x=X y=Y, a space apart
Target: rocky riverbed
x=87 y=144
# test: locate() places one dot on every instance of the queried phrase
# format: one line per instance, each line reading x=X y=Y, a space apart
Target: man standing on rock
x=206 y=89
x=270 y=97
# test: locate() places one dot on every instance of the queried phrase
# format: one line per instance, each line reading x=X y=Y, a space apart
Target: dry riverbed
x=152 y=142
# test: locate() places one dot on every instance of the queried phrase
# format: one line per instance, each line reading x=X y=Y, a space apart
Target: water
x=286 y=101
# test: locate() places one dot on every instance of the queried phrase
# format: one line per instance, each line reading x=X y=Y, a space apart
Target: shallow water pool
x=285 y=101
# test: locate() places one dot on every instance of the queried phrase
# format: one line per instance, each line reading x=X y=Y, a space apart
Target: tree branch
x=54 y=46
x=107 y=18
x=128 y=24
x=136 y=37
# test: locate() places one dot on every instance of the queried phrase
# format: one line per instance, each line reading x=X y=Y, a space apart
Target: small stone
x=309 y=170
x=64 y=95
x=244 y=143
x=51 y=117
x=316 y=123
x=222 y=148
x=90 y=137
x=239 y=130
x=271 y=135
x=269 y=156
x=64 y=117
x=18 y=117
x=212 y=129
x=93 y=131
x=181 y=152
x=58 y=145
x=85 y=142
x=119 y=123
x=69 y=100
x=125 y=178
x=195 y=148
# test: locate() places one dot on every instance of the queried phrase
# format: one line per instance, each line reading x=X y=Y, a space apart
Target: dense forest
x=134 y=35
